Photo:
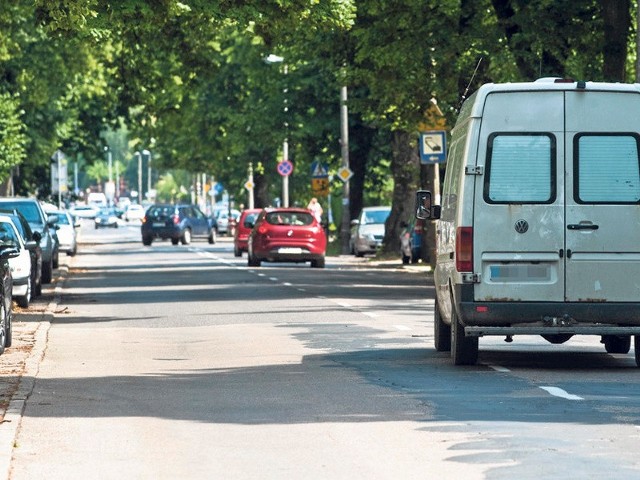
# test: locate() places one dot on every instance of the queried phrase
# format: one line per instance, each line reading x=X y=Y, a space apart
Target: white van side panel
x=603 y=192
x=518 y=223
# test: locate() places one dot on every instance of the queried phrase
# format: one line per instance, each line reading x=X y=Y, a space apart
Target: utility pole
x=345 y=226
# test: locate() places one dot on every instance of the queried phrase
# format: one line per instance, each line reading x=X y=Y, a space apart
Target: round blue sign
x=285 y=168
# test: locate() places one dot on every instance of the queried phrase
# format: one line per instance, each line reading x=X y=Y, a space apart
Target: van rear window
x=520 y=168
x=607 y=168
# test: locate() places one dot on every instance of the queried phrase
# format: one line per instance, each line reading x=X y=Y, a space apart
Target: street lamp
x=139 y=157
x=285 y=145
x=148 y=155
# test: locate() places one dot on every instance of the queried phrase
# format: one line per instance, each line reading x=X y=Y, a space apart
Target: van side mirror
x=424 y=208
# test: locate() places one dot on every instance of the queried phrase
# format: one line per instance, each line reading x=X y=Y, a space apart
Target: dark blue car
x=180 y=223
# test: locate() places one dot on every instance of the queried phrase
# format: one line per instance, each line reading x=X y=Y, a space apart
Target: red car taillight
x=464 y=249
x=176 y=219
x=263 y=229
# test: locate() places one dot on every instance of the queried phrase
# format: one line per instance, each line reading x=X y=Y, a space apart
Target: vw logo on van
x=522 y=226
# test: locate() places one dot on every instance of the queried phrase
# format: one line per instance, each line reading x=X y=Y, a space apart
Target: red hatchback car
x=287 y=235
x=245 y=223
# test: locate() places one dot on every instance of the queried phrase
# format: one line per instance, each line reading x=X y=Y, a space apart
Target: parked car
x=226 y=220
x=367 y=231
x=134 y=211
x=7 y=252
x=287 y=235
x=84 y=211
x=180 y=223
x=245 y=223
x=31 y=241
x=31 y=209
x=20 y=264
x=411 y=241
x=67 y=231
x=106 y=218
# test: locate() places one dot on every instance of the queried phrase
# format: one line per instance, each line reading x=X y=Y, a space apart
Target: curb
x=15 y=409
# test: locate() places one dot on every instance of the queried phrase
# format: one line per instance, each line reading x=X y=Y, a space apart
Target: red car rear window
x=289 y=218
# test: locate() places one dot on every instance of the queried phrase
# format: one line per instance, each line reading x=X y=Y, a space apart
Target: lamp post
x=139 y=157
x=285 y=145
x=148 y=155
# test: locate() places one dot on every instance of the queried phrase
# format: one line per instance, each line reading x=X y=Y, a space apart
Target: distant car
x=180 y=223
x=67 y=231
x=287 y=235
x=106 y=218
x=367 y=230
x=31 y=241
x=22 y=286
x=411 y=241
x=243 y=229
x=226 y=222
x=84 y=211
x=31 y=209
x=134 y=211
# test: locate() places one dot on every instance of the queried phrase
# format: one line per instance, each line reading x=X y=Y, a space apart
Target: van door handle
x=582 y=226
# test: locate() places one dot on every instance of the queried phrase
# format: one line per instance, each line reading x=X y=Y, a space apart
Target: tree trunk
x=617 y=20
x=404 y=169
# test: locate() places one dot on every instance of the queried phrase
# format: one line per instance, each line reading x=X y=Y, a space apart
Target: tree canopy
x=188 y=79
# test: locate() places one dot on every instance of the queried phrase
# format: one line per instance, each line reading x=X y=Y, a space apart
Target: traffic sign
x=248 y=185
x=319 y=170
x=345 y=174
x=285 y=168
x=433 y=147
x=320 y=186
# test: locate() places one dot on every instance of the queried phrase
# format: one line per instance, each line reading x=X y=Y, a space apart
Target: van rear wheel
x=464 y=350
x=441 y=331
x=617 y=343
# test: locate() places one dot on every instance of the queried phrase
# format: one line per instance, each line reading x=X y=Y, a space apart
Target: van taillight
x=464 y=249
x=176 y=219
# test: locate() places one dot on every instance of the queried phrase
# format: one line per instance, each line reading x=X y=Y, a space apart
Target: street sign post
x=433 y=147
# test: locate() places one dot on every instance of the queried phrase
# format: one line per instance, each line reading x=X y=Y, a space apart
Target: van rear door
x=602 y=196
x=519 y=217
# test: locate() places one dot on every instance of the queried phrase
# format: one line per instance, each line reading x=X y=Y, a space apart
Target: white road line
x=498 y=368
x=558 y=392
x=402 y=327
x=287 y=284
x=273 y=279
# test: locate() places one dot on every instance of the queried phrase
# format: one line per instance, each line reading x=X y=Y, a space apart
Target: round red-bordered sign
x=285 y=168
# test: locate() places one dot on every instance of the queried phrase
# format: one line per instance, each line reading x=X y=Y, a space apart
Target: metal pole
x=345 y=227
x=139 y=155
x=251 y=199
x=285 y=145
x=59 y=158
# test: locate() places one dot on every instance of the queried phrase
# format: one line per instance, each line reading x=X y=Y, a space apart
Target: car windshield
x=62 y=219
x=375 y=216
x=250 y=219
x=289 y=218
x=8 y=235
x=28 y=210
x=164 y=211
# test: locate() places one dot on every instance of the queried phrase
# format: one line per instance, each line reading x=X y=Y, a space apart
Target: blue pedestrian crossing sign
x=319 y=170
x=433 y=147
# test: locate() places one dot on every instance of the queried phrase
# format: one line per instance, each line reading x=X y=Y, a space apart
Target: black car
x=180 y=223
x=31 y=209
x=6 y=300
x=106 y=218
x=31 y=241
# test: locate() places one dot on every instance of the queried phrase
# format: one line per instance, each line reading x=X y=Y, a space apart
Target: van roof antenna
x=466 y=90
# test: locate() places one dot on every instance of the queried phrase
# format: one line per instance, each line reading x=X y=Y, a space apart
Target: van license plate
x=158 y=224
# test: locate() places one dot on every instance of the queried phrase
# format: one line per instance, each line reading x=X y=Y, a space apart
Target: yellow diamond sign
x=345 y=174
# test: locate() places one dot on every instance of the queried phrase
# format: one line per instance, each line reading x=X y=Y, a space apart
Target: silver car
x=367 y=231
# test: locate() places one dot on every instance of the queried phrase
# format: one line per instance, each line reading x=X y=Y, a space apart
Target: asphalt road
x=182 y=362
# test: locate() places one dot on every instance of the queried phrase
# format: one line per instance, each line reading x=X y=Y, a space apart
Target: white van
x=539 y=227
